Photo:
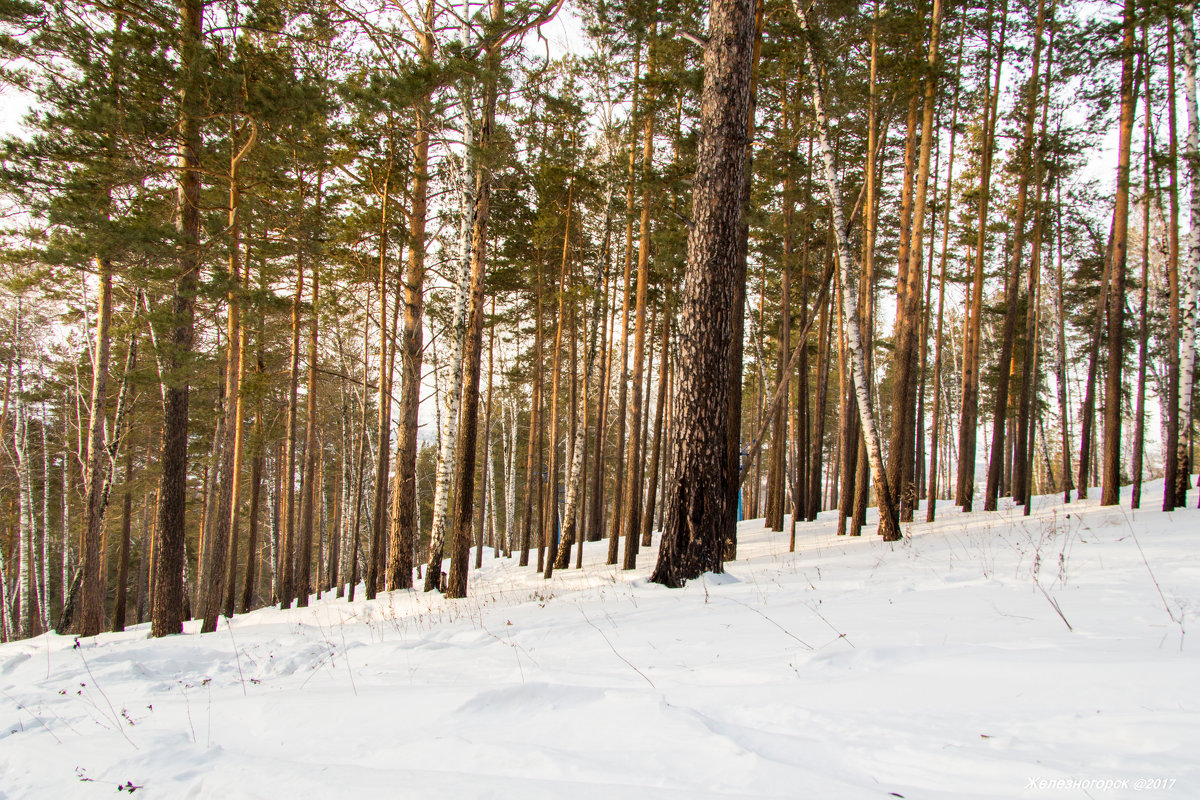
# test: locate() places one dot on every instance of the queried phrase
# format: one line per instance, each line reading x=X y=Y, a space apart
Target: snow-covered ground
x=938 y=667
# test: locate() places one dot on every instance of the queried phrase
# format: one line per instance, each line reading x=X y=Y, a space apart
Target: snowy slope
x=938 y=667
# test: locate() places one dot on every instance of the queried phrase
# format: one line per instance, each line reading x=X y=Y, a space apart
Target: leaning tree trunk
x=889 y=525
x=698 y=489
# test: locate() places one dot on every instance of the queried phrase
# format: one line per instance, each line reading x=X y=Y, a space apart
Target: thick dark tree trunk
x=168 y=609
x=697 y=492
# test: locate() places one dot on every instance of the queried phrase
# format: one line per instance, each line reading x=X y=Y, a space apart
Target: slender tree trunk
x=623 y=380
x=1110 y=493
x=1171 y=482
x=970 y=395
x=91 y=618
x=579 y=448
x=1023 y=459
x=286 y=562
x=447 y=436
x=1064 y=403
x=633 y=477
x=404 y=492
x=1187 y=355
x=889 y=525
x=659 y=412
x=551 y=533
x=118 y=614
x=1012 y=287
x=309 y=484
x=488 y=511
x=384 y=399
x=595 y=523
x=907 y=347
x=464 y=467
x=936 y=413
x=215 y=570
x=533 y=458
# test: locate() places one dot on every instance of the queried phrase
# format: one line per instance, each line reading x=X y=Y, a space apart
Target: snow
x=937 y=667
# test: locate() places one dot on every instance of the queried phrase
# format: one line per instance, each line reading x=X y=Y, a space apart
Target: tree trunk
x=908 y=323
x=447 y=436
x=889 y=525
x=287 y=544
x=970 y=382
x=1003 y=365
x=1023 y=458
x=733 y=437
x=1187 y=354
x=533 y=458
x=551 y=534
x=91 y=617
x=384 y=400
x=696 y=520
x=169 y=547
x=310 y=485
x=659 y=412
x=118 y=613
x=472 y=349
x=936 y=412
x=404 y=491
x=1110 y=493
x=1171 y=482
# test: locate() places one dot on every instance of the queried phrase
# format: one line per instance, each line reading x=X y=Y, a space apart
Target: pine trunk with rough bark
x=168 y=607
x=1110 y=492
x=697 y=491
x=1012 y=284
x=969 y=411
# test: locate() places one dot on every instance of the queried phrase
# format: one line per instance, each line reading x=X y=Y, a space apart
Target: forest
x=309 y=297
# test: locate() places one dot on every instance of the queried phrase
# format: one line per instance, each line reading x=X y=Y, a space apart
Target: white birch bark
x=888 y=523
x=23 y=588
x=273 y=501
x=66 y=513
x=44 y=583
x=448 y=429
x=1187 y=345
x=6 y=628
x=497 y=545
x=510 y=481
